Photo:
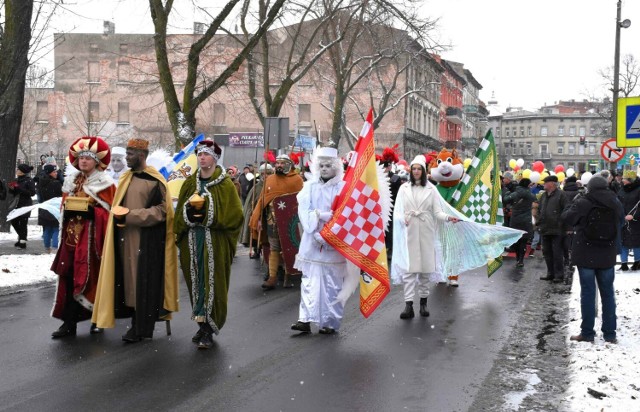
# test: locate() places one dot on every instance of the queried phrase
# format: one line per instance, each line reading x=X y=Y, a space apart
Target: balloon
x=551 y=173
x=570 y=172
x=538 y=166
x=512 y=163
x=520 y=162
x=586 y=176
x=534 y=177
x=526 y=173
x=515 y=169
x=544 y=175
x=558 y=169
x=466 y=163
x=561 y=176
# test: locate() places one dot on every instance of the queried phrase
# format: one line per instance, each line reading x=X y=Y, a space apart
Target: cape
x=274 y=186
x=104 y=307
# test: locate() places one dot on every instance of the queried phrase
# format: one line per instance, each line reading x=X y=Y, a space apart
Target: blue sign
x=633 y=121
x=307 y=143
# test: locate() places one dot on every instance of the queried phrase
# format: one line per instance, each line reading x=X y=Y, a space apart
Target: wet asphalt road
x=477 y=351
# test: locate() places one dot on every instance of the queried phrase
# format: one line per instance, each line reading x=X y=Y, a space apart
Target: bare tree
x=182 y=115
x=628 y=76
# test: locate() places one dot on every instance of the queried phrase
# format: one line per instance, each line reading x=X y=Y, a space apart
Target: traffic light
x=582 y=140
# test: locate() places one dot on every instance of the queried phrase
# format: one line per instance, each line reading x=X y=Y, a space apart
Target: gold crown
x=139 y=144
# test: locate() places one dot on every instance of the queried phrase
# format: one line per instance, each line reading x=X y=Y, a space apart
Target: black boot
x=95 y=329
x=624 y=267
x=304 y=327
x=206 y=341
x=67 y=329
x=423 y=307
x=130 y=336
x=407 y=313
x=196 y=338
x=635 y=266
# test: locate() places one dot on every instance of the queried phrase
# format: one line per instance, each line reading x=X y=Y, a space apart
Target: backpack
x=601 y=225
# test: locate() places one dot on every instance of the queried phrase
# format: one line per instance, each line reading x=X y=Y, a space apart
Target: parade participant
x=596 y=218
x=87 y=195
x=285 y=181
x=23 y=188
x=416 y=210
x=138 y=276
x=323 y=268
x=389 y=157
x=521 y=201
x=207 y=225
x=552 y=203
x=49 y=187
x=117 y=166
x=629 y=195
x=246 y=239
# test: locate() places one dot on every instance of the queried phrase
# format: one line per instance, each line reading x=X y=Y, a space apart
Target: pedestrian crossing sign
x=628 y=127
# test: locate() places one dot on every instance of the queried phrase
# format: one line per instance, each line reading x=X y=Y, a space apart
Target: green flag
x=478 y=195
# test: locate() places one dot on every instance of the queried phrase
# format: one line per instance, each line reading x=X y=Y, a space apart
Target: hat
x=93 y=147
x=284 y=157
x=265 y=166
x=570 y=179
x=420 y=160
x=629 y=175
x=25 y=168
x=508 y=175
x=209 y=146
x=524 y=182
x=48 y=169
x=120 y=151
x=326 y=152
x=551 y=178
x=597 y=182
x=139 y=144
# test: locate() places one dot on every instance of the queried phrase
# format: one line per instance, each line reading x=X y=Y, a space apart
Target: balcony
x=422 y=140
x=454 y=115
x=543 y=156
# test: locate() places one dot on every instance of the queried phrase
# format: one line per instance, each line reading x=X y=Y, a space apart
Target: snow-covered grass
x=610 y=369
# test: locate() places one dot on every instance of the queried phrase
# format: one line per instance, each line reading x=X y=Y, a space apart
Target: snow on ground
x=20 y=270
x=611 y=369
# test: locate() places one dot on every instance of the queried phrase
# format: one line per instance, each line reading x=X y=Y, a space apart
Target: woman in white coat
x=415 y=212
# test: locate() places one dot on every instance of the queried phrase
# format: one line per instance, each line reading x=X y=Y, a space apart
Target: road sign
x=628 y=127
x=610 y=152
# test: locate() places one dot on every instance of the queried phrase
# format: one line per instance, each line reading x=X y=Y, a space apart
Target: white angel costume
x=323 y=268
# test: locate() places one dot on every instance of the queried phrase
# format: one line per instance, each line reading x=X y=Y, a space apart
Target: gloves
x=12 y=185
x=319 y=239
x=191 y=212
x=326 y=216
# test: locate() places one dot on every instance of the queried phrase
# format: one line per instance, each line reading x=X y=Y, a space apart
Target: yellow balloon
x=560 y=176
x=543 y=175
x=512 y=163
x=466 y=163
x=526 y=173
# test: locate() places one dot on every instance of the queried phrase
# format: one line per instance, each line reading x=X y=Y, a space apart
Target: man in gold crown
x=138 y=276
x=207 y=226
x=87 y=194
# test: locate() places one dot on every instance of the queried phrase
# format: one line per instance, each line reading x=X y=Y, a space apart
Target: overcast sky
x=528 y=52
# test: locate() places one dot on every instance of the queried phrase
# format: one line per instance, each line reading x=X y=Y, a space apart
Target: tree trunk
x=14 y=49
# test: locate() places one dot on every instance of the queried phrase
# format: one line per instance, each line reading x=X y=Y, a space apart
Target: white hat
x=265 y=166
x=420 y=160
x=118 y=151
x=326 y=152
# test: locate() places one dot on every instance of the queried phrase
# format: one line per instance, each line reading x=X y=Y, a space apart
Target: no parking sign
x=610 y=152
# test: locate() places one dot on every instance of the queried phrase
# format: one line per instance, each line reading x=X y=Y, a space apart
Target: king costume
x=138 y=276
x=207 y=243
x=77 y=262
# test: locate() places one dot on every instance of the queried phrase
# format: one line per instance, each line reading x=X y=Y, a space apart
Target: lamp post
x=616 y=68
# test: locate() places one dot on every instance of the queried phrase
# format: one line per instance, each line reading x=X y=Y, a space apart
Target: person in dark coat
x=553 y=201
x=22 y=188
x=49 y=187
x=521 y=201
x=571 y=190
x=629 y=195
x=595 y=260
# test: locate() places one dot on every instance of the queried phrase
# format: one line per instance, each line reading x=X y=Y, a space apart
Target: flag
x=478 y=195
x=180 y=156
x=357 y=227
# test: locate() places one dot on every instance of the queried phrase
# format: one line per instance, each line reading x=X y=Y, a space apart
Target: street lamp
x=616 y=67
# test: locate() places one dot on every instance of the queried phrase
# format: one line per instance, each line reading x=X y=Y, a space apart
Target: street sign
x=628 y=127
x=610 y=152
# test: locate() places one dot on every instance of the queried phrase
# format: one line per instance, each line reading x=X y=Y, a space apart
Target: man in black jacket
x=552 y=203
x=595 y=258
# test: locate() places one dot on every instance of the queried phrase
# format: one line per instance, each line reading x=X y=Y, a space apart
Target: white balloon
x=584 y=179
x=570 y=172
x=534 y=177
x=552 y=173
x=520 y=162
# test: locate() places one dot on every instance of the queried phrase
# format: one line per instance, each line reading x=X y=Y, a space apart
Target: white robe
x=323 y=268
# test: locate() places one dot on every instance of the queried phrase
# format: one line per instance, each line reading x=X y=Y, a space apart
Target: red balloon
x=559 y=169
x=515 y=169
x=537 y=166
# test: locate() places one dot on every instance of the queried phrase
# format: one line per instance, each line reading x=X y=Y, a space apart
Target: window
x=572 y=148
x=42 y=111
x=304 y=114
x=515 y=131
x=583 y=131
x=592 y=148
x=124 y=48
x=560 y=130
x=93 y=72
x=530 y=131
x=506 y=130
x=497 y=132
x=560 y=148
x=94 y=112
x=572 y=131
x=580 y=149
x=521 y=131
x=514 y=151
x=124 y=71
x=543 y=131
x=592 y=131
x=529 y=149
x=544 y=149
x=219 y=114
x=123 y=112
x=93 y=47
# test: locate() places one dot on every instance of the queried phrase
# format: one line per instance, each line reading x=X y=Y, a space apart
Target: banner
x=246 y=139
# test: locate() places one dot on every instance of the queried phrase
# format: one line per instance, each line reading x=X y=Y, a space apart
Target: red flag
x=357 y=227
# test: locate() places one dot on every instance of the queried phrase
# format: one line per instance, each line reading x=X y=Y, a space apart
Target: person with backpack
x=629 y=195
x=597 y=218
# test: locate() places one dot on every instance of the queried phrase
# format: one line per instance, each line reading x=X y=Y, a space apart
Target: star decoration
x=282 y=205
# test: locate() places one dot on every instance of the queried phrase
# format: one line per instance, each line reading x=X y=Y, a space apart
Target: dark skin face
x=136 y=159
